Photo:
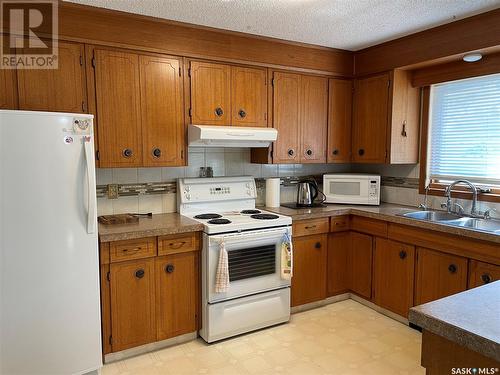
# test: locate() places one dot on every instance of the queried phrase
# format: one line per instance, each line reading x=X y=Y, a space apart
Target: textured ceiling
x=346 y=24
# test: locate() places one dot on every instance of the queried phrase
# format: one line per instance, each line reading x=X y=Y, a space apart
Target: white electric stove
x=257 y=296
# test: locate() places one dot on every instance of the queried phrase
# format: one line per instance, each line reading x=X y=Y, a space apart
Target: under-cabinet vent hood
x=230 y=136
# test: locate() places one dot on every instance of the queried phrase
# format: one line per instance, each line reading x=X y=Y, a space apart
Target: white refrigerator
x=49 y=269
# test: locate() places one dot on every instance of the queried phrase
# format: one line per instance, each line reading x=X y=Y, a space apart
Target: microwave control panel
x=373 y=189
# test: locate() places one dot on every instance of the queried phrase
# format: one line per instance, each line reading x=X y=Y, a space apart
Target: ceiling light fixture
x=472 y=57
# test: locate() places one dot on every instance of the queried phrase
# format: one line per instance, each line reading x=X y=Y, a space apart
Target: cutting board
x=118 y=219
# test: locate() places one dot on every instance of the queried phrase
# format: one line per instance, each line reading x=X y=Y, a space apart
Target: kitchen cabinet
x=340 y=94
x=140 y=109
x=338 y=272
x=119 y=114
x=132 y=286
x=248 y=96
x=162 y=109
x=438 y=275
x=8 y=89
x=228 y=95
x=393 y=275
x=481 y=273
x=309 y=270
x=300 y=111
x=62 y=89
x=360 y=261
x=176 y=294
x=386 y=119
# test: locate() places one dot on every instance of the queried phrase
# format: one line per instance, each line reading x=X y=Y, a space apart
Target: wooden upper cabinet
x=118 y=108
x=393 y=275
x=132 y=288
x=177 y=284
x=62 y=89
x=248 y=96
x=371 y=101
x=339 y=121
x=438 y=275
x=8 y=89
x=286 y=117
x=162 y=111
x=386 y=119
x=210 y=93
x=313 y=122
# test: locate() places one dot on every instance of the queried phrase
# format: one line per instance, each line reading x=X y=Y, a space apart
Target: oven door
x=351 y=191
x=254 y=259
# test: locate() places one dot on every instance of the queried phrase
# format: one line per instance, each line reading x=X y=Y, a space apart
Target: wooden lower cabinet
x=393 y=275
x=132 y=287
x=481 y=273
x=438 y=275
x=339 y=247
x=360 y=261
x=309 y=271
x=176 y=294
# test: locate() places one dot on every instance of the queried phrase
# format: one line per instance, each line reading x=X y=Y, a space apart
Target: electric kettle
x=307 y=191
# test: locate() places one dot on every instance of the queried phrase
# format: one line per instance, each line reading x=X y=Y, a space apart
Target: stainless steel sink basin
x=485 y=225
x=432 y=215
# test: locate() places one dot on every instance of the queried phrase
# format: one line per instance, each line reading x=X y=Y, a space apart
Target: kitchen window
x=464 y=134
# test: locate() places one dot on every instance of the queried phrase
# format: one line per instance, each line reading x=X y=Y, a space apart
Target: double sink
x=484 y=225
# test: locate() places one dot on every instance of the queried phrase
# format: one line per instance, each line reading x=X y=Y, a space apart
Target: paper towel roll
x=273 y=192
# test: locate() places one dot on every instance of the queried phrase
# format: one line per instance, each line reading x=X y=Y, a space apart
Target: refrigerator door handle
x=91 y=220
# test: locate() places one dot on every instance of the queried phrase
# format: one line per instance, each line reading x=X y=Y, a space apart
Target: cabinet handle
x=242 y=113
x=310 y=227
x=452 y=268
x=403 y=131
x=176 y=245
x=317 y=245
x=486 y=278
x=127 y=152
x=291 y=152
x=339 y=223
x=156 y=152
x=135 y=249
x=402 y=254
x=309 y=152
x=361 y=151
x=169 y=268
x=140 y=273
x=335 y=152
x=219 y=111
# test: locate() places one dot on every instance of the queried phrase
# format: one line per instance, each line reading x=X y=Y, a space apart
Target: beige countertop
x=157 y=225
x=387 y=212
x=470 y=319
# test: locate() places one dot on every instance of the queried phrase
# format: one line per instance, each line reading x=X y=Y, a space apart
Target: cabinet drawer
x=369 y=226
x=307 y=227
x=132 y=249
x=481 y=273
x=339 y=223
x=178 y=244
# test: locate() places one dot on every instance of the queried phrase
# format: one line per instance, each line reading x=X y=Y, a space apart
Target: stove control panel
x=220 y=190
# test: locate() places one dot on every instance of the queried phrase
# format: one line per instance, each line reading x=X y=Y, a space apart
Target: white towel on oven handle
x=286 y=257
x=222 y=275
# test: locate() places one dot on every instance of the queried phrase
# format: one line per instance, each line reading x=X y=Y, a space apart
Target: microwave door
x=348 y=191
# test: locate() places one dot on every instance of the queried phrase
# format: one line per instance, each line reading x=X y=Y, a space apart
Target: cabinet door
x=439 y=275
x=314 y=119
x=339 y=121
x=162 y=111
x=360 y=261
x=393 y=275
x=369 y=138
x=248 y=96
x=481 y=273
x=132 y=288
x=62 y=89
x=309 y=269
x=177 y=294
x=118 y=108
x=8 y=95
x=210 y=93
x=286 y=115
x=339 y=247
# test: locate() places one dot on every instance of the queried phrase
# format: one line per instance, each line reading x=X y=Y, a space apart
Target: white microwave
x=352 y=188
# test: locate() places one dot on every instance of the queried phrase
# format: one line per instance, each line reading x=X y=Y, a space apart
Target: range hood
x=230 y=136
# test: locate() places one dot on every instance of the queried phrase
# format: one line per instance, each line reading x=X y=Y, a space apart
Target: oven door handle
x=232 y=238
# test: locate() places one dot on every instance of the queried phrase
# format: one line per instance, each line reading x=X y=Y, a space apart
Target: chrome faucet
x=424 y=206
x=447 y=194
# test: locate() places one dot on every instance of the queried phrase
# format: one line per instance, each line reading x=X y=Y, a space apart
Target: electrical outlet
x=113 y=191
